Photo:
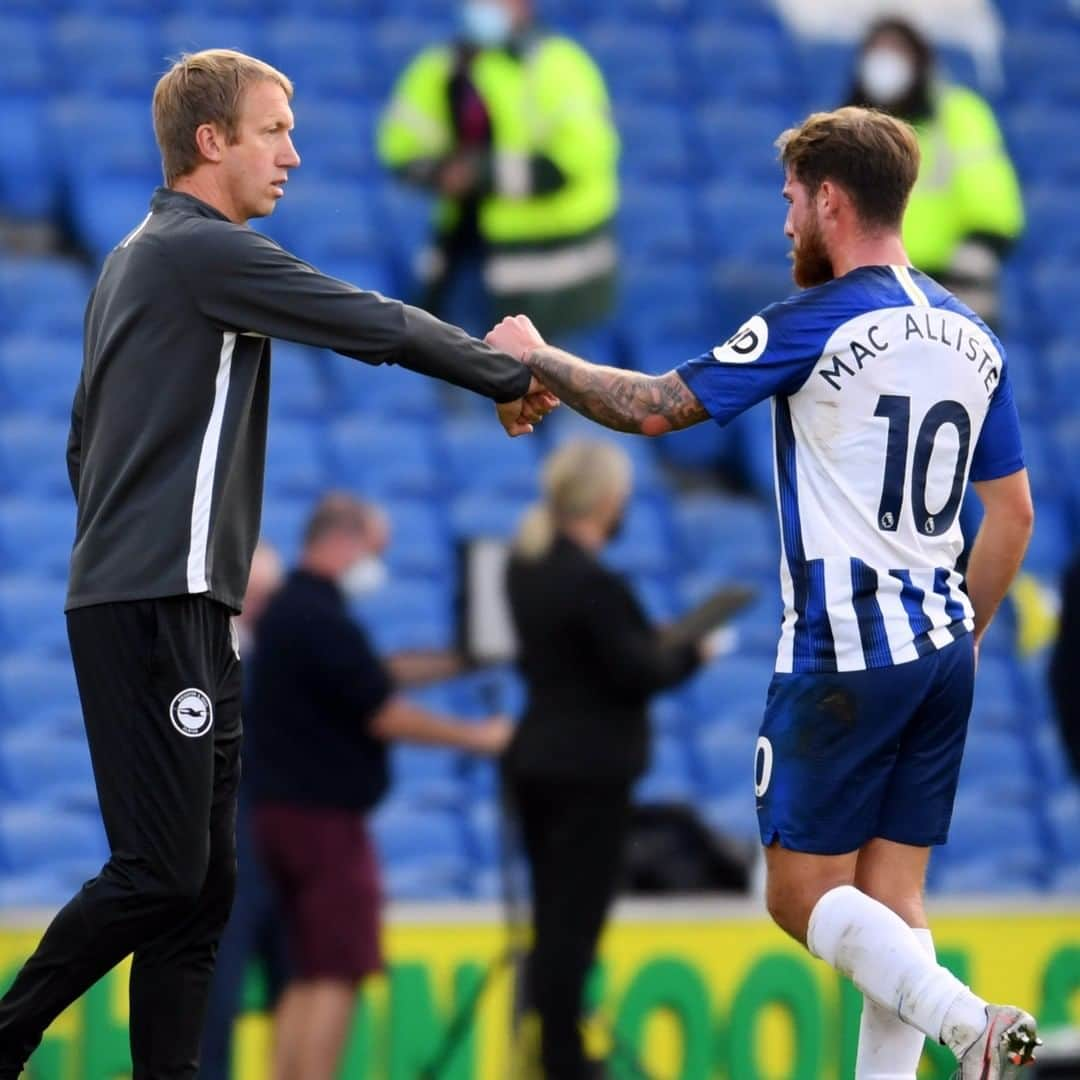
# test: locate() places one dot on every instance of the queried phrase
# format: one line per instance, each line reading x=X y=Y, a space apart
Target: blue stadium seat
x=46 y=768
x=29 y=182
x=644 y=543
x=738 y=141
x=324 y=220
x=989 y=876
x=124 y=149
x=336 y=139
x=655 y=144
x=731 y=685
x=742 y=64
x=657 y=222
x=745 y=222
x=423 y=852
x=33 y=687
x=189 y=32
x=283 y=521
x=997 y=705
x=43 y=295
x=724 y=761
x=43 y=890
x=478 y=456
x=384 y=390
x=658 y=594
x=1063 y=811
x=407 y=614
x=33 y=458
x=299 y=387
x=1052 y=541
x=669 y=714
x=324 y=56
x=484 y=833
x=396 y=39
x=427 y=776
x=32 y=615
x=997 y=769
x=733 y=815
x=26 y=70
x=1040 y=65
x=380 y=457
x=106 y=209
x=295 y=465
x=39 y=374
x=70 y=844
x=1034 y=136
x=405 y=215
x=483 y=514
x=419 y=540
x=107 y=54
x=638 y=62
x=731 y=537
x=36 y=535
x=977 y=829
x=668 y=778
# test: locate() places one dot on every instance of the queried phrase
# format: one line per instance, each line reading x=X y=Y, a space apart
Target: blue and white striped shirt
x=888 y=395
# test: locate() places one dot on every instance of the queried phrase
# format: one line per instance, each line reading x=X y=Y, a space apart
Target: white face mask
x=886 y=75
x=366 y=575
x=485 y=23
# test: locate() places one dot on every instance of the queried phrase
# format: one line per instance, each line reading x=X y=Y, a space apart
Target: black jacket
x=591 y=662
x=168 y=428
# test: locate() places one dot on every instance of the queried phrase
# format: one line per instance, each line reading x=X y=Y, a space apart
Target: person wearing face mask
x=322 y=709
x=966 y=210
x=509 y=126
x=591 y=661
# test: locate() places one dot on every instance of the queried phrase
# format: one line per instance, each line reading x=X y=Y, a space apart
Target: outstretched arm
x=623 y=400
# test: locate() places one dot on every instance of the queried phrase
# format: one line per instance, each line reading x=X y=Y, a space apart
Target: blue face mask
x=485 y=24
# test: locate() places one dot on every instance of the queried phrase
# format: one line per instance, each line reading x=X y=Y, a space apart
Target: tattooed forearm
x=622 y=400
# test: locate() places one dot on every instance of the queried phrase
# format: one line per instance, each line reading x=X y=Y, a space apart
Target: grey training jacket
x=168 y=428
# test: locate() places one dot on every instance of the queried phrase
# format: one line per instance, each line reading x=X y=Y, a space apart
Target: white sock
x=877 y=950
x=889 y=1049
x=964 y=1022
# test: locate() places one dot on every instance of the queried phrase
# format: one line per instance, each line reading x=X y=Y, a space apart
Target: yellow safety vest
x=551 y=100
x=966 y=182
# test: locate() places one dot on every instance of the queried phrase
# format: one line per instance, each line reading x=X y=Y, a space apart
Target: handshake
x=517 y=336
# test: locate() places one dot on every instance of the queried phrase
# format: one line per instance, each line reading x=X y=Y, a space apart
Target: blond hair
x=203 y=88
x=873 y=156
x=577 y=478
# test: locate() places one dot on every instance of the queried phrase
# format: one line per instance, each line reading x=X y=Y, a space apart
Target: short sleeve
x=771 y=353
x=999 y=451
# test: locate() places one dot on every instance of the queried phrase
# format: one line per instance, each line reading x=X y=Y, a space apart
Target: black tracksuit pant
x=574 y=834
x=160 y=687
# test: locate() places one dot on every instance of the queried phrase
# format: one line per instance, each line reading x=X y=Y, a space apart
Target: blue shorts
x=849 y=756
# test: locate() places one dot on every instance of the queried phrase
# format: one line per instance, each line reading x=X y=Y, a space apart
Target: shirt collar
x=166 y=199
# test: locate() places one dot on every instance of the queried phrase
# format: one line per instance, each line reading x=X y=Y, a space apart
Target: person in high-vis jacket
x=510 y=127
x=966 y=209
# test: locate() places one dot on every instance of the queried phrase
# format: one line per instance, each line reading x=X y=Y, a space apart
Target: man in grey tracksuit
x=166 y=458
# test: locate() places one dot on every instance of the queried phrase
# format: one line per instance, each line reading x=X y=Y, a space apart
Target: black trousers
x=160 y=687
x=574 y=836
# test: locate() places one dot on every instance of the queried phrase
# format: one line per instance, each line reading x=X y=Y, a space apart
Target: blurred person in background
x=165 y=455
x=965 y=211
x=323 y=708
x=591 y=661
x=254 y=928
x=510 y=127
x=1065 y=665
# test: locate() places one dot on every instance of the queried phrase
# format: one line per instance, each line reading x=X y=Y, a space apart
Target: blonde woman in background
x=591 y=662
